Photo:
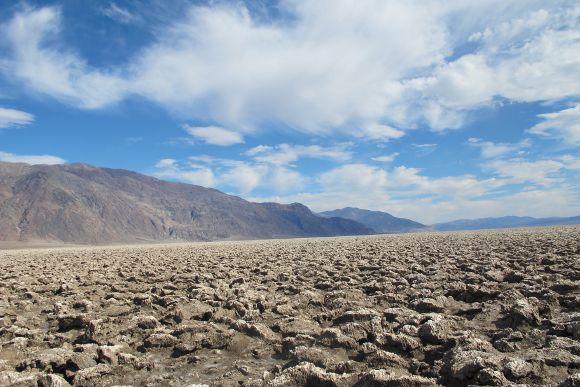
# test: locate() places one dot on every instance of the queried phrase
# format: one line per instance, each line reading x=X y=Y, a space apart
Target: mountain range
x=83 y=204
x=503 y=222
x=383 y=222
x=79 y=203
x=379 y=221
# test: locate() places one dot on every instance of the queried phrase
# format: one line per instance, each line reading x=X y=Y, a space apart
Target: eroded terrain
x=487 y=308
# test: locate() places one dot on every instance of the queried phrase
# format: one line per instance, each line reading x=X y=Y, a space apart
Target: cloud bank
x=330 y=66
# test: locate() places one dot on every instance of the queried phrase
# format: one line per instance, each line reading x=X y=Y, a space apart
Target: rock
x=103 y=331
x=307 y=374
x=182 y=349
x=294 y=326
x=255 y=330
x=524 y=312
x=291 y=342
x=380 y=359
x=312 y=355
x=463 y=365
x=401 y=342
x=356 y=331
x=333 y=337
x=108 y=353
x=431 y=305
x=570 y=381
x=516 y=369
x=559 y=358
x=436 y=331
x=356 y=316
x=160 y=340
x=489 y=377
x=137 y=363
x=68 y=322
x=383 y=378
x=59 y=360
x=20 y=379
x=90 y=377
x=403 y=316
x=146 y=322
x=52 y=380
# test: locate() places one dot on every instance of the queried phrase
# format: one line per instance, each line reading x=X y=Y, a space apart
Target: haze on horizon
x=428 y=110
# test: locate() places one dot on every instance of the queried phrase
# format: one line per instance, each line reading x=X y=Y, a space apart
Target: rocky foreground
x=483 y=308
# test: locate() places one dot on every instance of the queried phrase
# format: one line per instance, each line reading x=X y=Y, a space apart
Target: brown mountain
x=80 y=203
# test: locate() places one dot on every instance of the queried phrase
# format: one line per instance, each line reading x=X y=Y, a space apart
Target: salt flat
x=472 y=308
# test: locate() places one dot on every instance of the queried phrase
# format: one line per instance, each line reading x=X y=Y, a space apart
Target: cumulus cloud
x=171 y=169
x=215 y=135
x=564 y=125
x=337 y=66
x=381 y=132
x=282 y=154
x=542 y=172
x=386 y=158
x=30 y=159
x=242 y=177
x=354 y=177
x=491 y=150
x=12 y=117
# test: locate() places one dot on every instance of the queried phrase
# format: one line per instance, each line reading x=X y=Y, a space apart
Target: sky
x=431 y=110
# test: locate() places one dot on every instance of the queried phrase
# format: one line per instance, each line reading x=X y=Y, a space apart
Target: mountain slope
x=503 y=222
x=377 y=220
x=84 y=204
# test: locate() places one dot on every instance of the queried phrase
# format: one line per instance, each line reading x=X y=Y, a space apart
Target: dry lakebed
x=494 y=308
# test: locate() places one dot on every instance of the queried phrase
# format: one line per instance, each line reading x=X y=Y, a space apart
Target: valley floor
x=470 y=308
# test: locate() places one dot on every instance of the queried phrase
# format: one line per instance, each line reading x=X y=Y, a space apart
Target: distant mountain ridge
x=504 y=222
x=383 y=222
x=379 y=221
x=80 y=203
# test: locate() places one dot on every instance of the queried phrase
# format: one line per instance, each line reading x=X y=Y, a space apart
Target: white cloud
x=542 y=172
x=47 y=68
x=244 y=178
x=386 y=158
x=354 y=177
x=12 y=117
x=491 y=150
x=464 y=83
x=170 y=169
x=166 y=163
x=120 y=14
x=530 y=53
x=284 y=154
x=564 y=125
x=30 y=159
x=241 y=176
x=424 y=149
x=571 y=162
x=381 y=132
x=215 y=135
x=337 y=66
x=458 y=187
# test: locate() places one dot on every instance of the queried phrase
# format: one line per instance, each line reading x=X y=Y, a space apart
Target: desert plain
x=470 y=308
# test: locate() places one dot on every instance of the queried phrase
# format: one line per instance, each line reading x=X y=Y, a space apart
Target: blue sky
x=430 y=110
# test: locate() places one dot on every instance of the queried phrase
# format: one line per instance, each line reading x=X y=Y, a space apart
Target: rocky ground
x=480 y=308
